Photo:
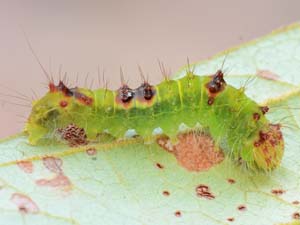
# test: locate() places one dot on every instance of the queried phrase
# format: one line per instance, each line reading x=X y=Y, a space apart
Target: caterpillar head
x=60 y=107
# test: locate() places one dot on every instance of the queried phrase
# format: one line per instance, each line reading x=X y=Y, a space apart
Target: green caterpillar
x=236 y=123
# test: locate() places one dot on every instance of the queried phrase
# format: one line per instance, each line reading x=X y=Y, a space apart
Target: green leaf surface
x=135 y=183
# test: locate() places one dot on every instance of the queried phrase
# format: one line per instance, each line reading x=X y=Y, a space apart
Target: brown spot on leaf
x=230 y=219
x=165 y=142
x=24 y=203
x=296 y=216
x=278 y=191
x=159 y=166
x=230 y=181
x=242 y=208
x=25 y=165
x=296 y=202
x=91 y=151
x=166 y=193
x=177 y=214
x=203 y=191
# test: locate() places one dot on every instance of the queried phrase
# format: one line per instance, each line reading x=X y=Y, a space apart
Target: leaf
x=134 y=183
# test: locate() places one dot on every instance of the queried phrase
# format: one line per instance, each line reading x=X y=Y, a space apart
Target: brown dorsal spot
x=264 y=109
x=125 y=94
x=215 y=86
x=74 y=135
x=61 y=87
x=82 y=97
x=217 y=83
x=145 y=92
x=70 y=92
x=64 y=89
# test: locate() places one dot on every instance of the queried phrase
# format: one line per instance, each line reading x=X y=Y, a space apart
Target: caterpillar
x=205 y=103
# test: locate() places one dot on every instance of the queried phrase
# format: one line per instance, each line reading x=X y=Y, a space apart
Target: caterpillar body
x=235 y=122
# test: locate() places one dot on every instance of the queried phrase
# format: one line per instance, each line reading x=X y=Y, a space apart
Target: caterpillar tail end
x=269 y=148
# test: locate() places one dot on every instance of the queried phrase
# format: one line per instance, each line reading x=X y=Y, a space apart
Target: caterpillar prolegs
x=236 y=123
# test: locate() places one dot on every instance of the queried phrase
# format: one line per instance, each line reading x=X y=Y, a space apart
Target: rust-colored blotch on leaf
x=59 y=181
x=194 y=151
x=24 y=203
x=53 y=164
x=26 y=166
